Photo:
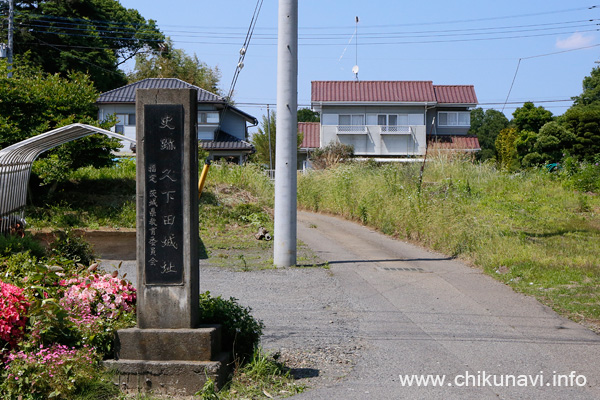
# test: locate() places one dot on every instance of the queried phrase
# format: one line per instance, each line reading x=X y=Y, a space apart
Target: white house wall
x=374 y=141
x=128 y=130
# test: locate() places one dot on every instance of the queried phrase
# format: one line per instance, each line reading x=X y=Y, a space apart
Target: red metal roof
x=454 y=142
x=455 y=94
x=373 y=91
x=391 y=91
x=312 y=134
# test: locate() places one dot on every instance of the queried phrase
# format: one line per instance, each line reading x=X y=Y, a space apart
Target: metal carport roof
x=16 y=161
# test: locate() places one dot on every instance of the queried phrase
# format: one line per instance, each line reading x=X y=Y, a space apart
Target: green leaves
x=83 y=35
x=241 y=332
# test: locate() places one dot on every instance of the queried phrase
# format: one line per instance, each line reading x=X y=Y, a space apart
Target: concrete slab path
x=424 y=314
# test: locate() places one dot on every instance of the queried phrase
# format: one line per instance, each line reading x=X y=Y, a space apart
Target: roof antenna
x=355 y=68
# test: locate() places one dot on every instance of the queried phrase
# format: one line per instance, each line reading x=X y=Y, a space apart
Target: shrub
x=72 y=247
x=241 y=332
x=250 y=213
x=13 y=244
x=581 y=176
x=96 y=304
x=13 y=310
x=48 y=372
x=331 y=155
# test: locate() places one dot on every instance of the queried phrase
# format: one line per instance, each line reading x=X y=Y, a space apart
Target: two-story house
x=394 y=120
x=222 y=128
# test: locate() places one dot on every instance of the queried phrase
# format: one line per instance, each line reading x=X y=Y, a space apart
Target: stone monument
x=167 y=353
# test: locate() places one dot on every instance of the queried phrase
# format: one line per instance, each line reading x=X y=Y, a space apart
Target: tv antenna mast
x=355 y=68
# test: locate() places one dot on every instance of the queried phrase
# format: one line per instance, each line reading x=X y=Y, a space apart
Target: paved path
x=421 y=313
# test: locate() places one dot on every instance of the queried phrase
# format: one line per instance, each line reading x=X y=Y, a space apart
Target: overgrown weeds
x=261 y=378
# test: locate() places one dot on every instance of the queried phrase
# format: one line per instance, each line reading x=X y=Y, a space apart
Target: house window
x=351 y=123
x=393 y=122
x=124 y=120
x=387 y=120
x=457 y=118
x=208 y=118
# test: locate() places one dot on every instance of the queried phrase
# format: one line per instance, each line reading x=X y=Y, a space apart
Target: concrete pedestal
x=169 y=361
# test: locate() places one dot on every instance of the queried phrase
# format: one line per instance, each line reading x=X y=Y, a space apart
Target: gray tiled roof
x=126 y=94
x=225 y=141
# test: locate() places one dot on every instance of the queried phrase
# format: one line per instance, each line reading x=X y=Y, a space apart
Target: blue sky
x=447 y=42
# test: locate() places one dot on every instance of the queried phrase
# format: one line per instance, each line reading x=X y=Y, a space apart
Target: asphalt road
x=421 y=313
x=386 y=310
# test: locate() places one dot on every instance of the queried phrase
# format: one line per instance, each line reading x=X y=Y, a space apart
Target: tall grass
x=249 y=177
x=90 y=198
x=529 y=229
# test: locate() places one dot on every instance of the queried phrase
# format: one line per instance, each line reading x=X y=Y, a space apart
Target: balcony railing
x=378 y=129
x=352 y=129
x=396 y=129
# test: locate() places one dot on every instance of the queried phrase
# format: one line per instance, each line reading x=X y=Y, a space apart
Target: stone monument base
x=169 y=361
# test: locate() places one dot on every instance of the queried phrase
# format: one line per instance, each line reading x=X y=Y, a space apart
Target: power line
x=80 y=59
x=108 y=27
x=512 y=84
x=244 y=48
x=537 y=56
x=242 y=56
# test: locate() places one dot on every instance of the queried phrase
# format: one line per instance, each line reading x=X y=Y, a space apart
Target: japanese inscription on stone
x=163 y=152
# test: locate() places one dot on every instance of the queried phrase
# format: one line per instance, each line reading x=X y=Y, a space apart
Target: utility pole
x=9 y=53
x=269 y=137
x=286 y=146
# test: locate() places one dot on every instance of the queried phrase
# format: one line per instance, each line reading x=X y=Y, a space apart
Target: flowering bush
x=97 y=296
x=98 y=305
x=48 y=372
x=13 y=310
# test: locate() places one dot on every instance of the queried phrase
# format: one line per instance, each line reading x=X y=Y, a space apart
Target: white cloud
x=574 y=41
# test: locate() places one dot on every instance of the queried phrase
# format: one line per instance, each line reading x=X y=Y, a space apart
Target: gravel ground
x=308 y=318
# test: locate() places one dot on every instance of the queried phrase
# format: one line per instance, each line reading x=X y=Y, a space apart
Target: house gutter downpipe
x=286 y=146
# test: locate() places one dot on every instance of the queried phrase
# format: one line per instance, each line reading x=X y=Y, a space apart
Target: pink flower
x=13 y=311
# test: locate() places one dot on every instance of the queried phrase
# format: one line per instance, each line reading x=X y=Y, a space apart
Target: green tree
x=584 y=122
x=33 y=102
x=506 y=148
x=486 y=126
x=260 y=140
x=531 y=118
x=308 y=115
x=175 y=63
x=591 y=89
x=547 y=146
x=91 y=36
